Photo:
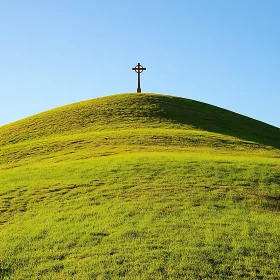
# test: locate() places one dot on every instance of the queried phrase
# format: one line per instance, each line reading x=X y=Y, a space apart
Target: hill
x=139 y=186
x=134 y=111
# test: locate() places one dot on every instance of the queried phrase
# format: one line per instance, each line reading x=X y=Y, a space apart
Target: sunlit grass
x=170 y=202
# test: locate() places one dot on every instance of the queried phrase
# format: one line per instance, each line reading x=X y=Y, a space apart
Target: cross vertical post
x=139 y=69
x=139 y=87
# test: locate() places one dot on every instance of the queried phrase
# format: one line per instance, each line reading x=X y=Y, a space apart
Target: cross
x=139 y=69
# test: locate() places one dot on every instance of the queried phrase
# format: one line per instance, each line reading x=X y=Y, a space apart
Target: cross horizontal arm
x=139 y=68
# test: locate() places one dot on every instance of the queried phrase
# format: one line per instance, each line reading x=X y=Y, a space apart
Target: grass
x=150 y=193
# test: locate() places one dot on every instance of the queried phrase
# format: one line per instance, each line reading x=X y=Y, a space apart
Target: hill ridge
x=134 y=110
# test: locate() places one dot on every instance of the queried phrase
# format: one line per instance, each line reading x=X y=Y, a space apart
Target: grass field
x=139 y=186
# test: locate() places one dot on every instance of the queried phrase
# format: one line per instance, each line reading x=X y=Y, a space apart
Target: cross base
x=139 y=90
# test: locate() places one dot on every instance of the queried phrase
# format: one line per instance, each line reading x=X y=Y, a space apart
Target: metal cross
x=139 y=69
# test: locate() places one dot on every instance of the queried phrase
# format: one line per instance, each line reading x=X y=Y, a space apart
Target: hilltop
x=131 y=121
x=139 y=186
x=139 y=110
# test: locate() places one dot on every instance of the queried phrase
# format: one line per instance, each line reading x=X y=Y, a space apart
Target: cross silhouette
x=139 y=69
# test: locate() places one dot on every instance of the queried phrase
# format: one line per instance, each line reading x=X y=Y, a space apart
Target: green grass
x=139 y=186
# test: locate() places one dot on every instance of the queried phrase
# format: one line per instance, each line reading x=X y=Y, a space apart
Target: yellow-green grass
x=139 y=186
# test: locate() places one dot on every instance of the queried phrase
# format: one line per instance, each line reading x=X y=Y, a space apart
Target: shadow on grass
x=5 y=272
x=214 y=119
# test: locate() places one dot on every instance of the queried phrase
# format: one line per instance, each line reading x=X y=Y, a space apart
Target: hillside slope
x=139 y=186
x=139 y=110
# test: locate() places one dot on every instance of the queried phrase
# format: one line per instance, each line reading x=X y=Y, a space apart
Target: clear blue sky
x=222 y=52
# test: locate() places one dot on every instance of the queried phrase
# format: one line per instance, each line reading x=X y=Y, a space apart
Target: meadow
x=139 y=187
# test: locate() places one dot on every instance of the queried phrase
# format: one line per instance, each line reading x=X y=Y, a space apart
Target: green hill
x=139 y=186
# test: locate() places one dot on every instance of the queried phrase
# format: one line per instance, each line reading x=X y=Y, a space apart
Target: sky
x=222 y=52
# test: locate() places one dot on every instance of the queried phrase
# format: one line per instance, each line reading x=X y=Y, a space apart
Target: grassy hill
x=139 y=186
